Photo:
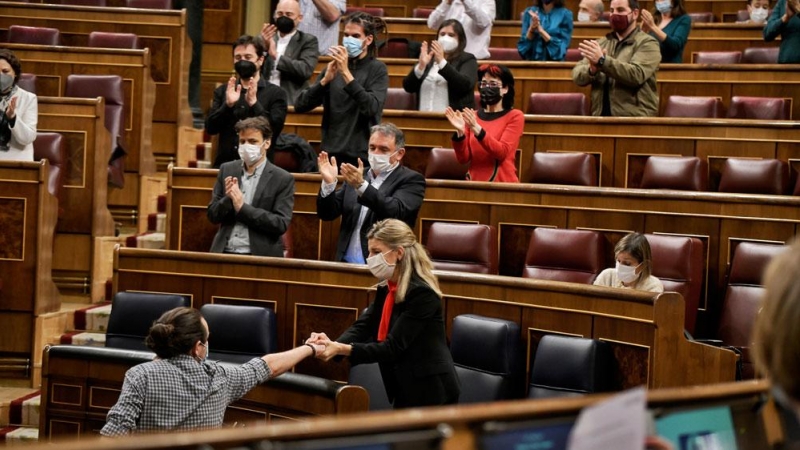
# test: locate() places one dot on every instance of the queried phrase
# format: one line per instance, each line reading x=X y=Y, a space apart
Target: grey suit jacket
x=267 y=217
x=296 y=65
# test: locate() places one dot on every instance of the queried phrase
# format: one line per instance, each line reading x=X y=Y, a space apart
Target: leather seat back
x=558 y=104
x=240 y=333
x=50 y=146
x=104 y=39
x=575 y=256
x=463 y=247
x=443 y=165
x=132 y=315
x=685 y=173
x=570 y=168
x=571 y=366
x=754 y=176
x=693 y=106
x=19 y=34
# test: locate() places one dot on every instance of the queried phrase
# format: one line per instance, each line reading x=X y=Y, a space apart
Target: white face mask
x=250 y=153
x=626 y=274
x=379 y=267
x=448 y=43
x=379 y=162
x=584 y=17
x=759 y=14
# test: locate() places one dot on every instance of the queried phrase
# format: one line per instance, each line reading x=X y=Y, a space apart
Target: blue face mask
x=353 y=46
x=664 y=6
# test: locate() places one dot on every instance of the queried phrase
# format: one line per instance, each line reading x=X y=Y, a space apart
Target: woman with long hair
x=488 y=139
x=670 y=24
x=445 y=74
x=546 y=31
x=403 y=329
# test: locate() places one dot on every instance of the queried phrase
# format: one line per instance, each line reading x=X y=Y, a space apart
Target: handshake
x=325 y=348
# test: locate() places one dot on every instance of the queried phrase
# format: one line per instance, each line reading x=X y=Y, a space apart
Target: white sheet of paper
x=619 y=423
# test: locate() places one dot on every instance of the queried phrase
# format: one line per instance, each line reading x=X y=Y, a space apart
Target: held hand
x=317 y=338
x=331 y=350
x=438 y=51
x=353 y=175
x=251 y=97
x=327 y=168
x=233 y=92
x=425 y=56
x=591 y=50
x=456 y=120
x=11 y=111
x=330 y=73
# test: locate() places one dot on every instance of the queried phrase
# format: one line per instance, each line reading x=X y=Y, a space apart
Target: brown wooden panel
x=12 y=218
x=196 y=232
x=16 y=335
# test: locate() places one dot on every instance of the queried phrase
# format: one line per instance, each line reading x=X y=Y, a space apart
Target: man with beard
x=291 y=54
x=247 y=95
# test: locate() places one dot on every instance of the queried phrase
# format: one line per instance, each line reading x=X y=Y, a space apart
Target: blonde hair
x=776 y=338
x=637 y=246
x=395 y=234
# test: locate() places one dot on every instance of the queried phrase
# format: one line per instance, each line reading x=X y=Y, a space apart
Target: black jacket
x=296 y=65
x=415 y=362
x=461 y=75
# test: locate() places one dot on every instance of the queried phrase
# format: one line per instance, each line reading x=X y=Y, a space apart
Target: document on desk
x=619 y=423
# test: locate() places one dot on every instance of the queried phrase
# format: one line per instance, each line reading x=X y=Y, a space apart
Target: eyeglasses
x=493 y=84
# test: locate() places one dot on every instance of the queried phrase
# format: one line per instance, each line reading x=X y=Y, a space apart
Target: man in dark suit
x=291 y=54
x=387 y=190
x=253 y=199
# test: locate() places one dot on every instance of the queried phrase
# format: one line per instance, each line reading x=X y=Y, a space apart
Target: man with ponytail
x=181 y=389
x=403 y=329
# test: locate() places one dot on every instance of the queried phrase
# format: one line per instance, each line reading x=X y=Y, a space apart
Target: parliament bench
x=80 y=384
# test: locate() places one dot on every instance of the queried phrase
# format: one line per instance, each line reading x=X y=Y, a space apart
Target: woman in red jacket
x=488 y=139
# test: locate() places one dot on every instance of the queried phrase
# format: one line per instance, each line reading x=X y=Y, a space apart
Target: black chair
x=569 y=366
x=132 y=315
x=240 y=333
x=486 y=352
x=369 y=377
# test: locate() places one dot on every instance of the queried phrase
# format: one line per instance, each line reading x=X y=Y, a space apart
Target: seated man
x=590 y=11
x=253 y=199
x=621 y=67
x=387 y=191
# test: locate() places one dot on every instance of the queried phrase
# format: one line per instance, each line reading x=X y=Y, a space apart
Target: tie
x=386 y=316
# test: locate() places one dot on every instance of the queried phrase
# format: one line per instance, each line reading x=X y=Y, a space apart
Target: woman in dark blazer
x=446 y=74
x=403 y=329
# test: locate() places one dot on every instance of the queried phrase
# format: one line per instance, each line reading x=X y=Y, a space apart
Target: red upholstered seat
x=463 y=247
x=754 y=176
x=27 y=81
x=743 y=297
x=716 y=57
x=398 y=98
x=573 y=168
x=575 y=256
x=443 y=165
x=685 y=173
x=149 y=4
x=421 y=13
x=504 y=54
x=376 y=12
x=50 y=146
x=679 y=262
x=102 y=39
x=763 y=108
x=84 y=2
x=683 y=106
x=573 y=54
x=702 y=17
x=760 y=55
x=394 y=48
x=18 y=34
x=558 y=103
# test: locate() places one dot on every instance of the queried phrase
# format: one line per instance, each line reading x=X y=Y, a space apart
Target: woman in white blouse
x=445 y=74
x=19 y=112
x=634 y=266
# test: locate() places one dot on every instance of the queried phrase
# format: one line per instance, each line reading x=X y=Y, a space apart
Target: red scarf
x=386 y=316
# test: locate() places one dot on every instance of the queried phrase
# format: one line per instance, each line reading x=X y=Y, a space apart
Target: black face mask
x=490 y=95
x=245 y=69
x=284 y=24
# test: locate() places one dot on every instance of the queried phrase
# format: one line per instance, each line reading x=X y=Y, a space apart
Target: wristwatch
x=601 y=61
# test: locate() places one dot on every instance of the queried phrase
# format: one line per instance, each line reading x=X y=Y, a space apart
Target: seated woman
x=403 y=329
x=19 y=112
x=670 y=24
x=758 y=11
x=546 y=31
x=776 y=339
x=488 y=139
x=445 y=74
x=634 y=266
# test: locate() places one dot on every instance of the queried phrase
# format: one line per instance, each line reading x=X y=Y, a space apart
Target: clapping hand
x=353 y=175
x=425 y=57
x=592 y=51
x=648 y=22
x=251 y=96
x=438 y=51
x=471 y=120
x=535 y=22
x=233 y=92
x=339 y=54
x=233 y=192
x=268 y=34
x=327 y=167
x=456 y=120
x=11 y=111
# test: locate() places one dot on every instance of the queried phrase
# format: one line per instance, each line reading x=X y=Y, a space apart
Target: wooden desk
x=644 y=329
x=753 y=422
x=53 y=65
x=720 y=221
x=80 y=385
x=162 y=31
x=28 y=214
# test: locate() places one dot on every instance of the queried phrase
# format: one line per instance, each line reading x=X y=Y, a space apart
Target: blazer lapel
x=263 y=181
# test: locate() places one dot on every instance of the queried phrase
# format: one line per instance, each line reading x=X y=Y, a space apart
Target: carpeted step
x=83 y=338
x=93 y=318
x=19 y=435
